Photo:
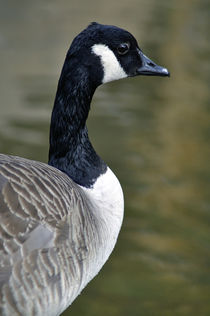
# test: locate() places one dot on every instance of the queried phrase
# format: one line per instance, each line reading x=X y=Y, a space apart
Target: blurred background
x=153 y=133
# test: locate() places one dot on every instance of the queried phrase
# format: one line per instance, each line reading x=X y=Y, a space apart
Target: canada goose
x=59 y=222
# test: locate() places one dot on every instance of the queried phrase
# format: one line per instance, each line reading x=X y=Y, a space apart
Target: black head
x=99 y=54
x=111 y=53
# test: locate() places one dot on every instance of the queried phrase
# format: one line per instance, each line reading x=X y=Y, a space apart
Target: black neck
x=70 y=147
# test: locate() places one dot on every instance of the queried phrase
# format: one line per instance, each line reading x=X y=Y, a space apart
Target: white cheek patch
x=111 y=66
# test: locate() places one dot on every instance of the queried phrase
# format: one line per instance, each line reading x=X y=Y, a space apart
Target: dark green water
x=153 y=132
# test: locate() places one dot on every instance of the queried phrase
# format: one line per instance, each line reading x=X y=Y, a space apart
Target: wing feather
x=31 y=208
x=42 y=228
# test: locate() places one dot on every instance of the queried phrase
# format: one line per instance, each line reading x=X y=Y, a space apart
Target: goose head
x=110 y=53
x=99 y=54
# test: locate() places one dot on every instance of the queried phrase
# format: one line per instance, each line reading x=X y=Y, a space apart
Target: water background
x=153 y=133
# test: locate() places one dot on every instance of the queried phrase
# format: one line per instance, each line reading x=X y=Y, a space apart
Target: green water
x=153 y=133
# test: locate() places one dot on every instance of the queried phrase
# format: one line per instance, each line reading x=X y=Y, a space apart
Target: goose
x=59 y=222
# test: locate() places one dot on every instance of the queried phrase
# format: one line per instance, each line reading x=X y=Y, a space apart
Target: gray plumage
x=42 y=228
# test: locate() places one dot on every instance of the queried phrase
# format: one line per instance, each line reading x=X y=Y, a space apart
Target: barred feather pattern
x=48 y=239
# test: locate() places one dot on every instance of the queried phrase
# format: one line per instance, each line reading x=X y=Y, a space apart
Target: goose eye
x=123 y=48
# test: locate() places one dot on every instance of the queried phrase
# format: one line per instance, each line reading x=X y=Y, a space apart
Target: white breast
x=107 y=204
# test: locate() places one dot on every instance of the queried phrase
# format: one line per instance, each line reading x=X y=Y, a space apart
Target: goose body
x=59 y=222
